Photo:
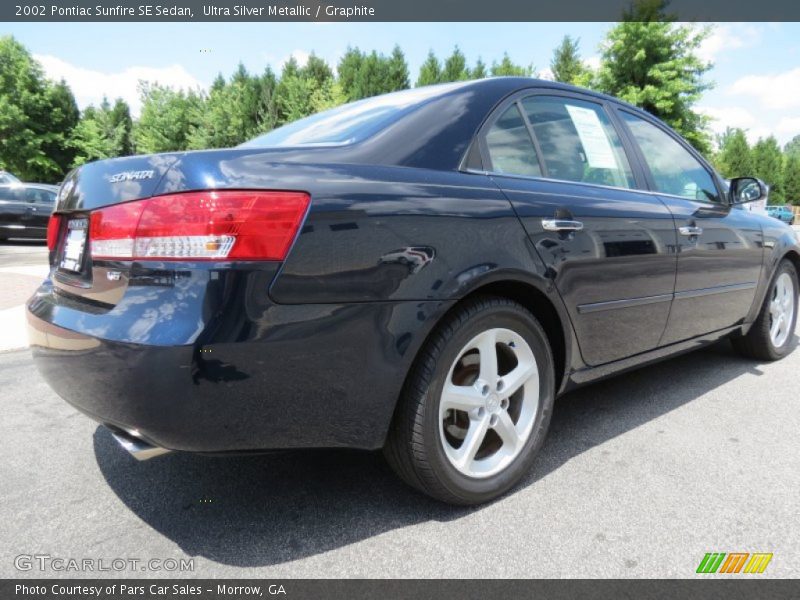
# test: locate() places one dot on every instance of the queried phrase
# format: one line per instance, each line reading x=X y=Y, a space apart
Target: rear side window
x=578 y=141
x=510 y=146
x=675 y=171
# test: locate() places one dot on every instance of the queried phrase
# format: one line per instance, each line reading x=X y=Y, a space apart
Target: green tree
x=364 y=75
x=768 y=166
x=397 y=71
x=507 y=68
x=652 y=62
x=316 y=70
x=431 y=71
x=455 y=67
x=167 y=119
x=372 y=76
x=292 y=94
x=121 y=117
x=734 y=157
x=235 y=111
x=479 y=70
x=36 y=117
x=791 y=179
x=348 y=69
x=102 y=132
x=567 y=65
x=792 y=147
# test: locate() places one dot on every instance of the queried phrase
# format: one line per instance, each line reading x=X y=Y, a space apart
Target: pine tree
x=455 y=67
x=479 y=70
x=566 y=65
x=768 y=166
x=734 y=158
x=397 y=71
x=430 y=72
x=102 y=132
x=791 y=179
x=792 y=147
x=506 y=68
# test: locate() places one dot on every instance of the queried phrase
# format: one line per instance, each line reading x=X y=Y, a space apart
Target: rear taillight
x=211 y=225
x=53 y=225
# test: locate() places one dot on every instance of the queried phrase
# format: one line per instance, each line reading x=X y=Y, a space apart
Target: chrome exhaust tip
x=137 y=447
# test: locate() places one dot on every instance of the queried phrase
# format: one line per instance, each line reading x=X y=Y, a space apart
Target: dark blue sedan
x=422 y=272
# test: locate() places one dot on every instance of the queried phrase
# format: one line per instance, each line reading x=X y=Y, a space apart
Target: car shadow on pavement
x=263 y=510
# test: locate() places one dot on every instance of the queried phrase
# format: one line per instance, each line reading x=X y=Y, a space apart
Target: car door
x=609 y=247
x=720 y=246
x=12 y=209
x=39 y=205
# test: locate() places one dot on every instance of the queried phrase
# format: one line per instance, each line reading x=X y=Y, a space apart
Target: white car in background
x=6 y=178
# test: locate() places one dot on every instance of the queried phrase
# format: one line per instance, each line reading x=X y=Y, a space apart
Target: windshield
x=348 y=123
x=6 y=177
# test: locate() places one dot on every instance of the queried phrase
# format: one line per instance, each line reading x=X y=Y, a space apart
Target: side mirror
x=747 y=189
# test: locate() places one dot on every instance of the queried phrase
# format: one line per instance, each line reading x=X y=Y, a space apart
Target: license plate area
x=73 y=253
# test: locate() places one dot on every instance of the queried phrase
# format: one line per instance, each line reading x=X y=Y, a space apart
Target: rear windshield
x=349 y=123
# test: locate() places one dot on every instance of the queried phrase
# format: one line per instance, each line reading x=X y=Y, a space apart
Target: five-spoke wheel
x=781 y=309
x=476 y=405
x=489 y=402
x=772 y=334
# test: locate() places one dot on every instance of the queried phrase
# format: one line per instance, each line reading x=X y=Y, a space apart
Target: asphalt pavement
x=640 y=476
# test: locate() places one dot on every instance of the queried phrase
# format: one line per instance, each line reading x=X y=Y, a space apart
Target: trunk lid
x=92 y=186
x=106 y=182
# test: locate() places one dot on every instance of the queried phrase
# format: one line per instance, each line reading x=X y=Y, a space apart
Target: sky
x=756 y=72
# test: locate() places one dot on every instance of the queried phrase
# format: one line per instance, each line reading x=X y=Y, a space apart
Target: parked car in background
x=6 y=177
x=25 y=210
x=423 y=272
x=784 y=213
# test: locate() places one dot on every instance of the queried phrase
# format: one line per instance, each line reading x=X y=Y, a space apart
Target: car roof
x=507 y=85
x=37 y=186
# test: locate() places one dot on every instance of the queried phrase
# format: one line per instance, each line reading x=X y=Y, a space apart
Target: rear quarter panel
x=368 y=225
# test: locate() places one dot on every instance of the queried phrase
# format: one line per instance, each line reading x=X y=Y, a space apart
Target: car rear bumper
x=248 y=375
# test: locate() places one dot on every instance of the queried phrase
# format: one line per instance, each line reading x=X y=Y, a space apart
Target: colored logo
x=734 y=562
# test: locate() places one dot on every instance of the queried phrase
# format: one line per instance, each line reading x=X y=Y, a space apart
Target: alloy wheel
x=781 y=310
x=489 y=403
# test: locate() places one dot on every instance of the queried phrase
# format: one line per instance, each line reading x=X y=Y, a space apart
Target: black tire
x=414 y=448
x=758 y=344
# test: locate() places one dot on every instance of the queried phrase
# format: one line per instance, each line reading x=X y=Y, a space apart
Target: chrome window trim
x=566 y=181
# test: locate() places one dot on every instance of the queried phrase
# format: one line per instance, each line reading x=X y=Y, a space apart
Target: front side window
x=510 y=146
x=675 y=171
x=578 y=141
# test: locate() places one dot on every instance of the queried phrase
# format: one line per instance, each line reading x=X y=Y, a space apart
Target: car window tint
x=578 y=141
x=510 y=146
x=675 y=171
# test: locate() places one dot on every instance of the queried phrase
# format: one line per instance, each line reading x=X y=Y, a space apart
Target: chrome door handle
x=690 y=230
x=561 y=225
